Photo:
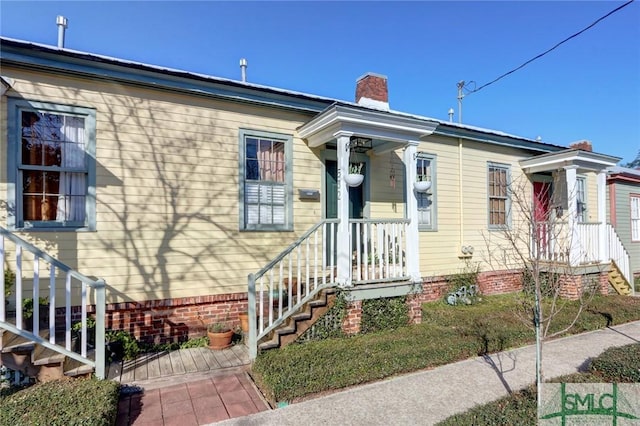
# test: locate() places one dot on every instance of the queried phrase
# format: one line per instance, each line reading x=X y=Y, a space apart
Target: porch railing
x=618 y=253
x=588 y=242
x=379 y=250
x=31 y=270
x=290 y=280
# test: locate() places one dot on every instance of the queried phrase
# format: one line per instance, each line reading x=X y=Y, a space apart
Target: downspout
x=460 y=198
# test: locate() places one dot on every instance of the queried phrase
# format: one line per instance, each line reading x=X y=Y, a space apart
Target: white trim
x=373 y=124
x=585 y=160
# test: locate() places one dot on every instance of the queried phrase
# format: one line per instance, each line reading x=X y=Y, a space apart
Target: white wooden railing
x=548 y=242
x=619 y=254
x=588 y=242
x=34 y=270
x=551 y=241
x=379 y=250
x=290 y=280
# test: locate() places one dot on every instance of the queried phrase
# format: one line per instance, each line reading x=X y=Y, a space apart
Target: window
x=635 y=217
x=581 y=199
x=265 y=181
x=426 y=170
x=499 y=197
x=51 y=165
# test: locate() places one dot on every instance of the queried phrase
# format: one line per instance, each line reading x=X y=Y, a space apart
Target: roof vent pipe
x=61 y=21
x=243 y=69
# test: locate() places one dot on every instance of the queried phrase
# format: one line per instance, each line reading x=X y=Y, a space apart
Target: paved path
x=427 y=397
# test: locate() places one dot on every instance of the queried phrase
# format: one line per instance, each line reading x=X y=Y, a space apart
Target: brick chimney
x=372 y=92
x=584 y=145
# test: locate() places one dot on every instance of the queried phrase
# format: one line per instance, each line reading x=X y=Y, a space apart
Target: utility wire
x=553 y=48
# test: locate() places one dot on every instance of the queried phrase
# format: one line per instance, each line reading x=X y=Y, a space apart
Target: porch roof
x=386 y=130
x=583 y=160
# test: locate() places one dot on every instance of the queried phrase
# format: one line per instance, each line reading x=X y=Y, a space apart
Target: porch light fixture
x=360 y=144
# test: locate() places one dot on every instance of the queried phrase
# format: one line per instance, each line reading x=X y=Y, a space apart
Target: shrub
x=620 y=364
x=62 y=402
x=384 y=314
x=121 y=345
x=517 y=409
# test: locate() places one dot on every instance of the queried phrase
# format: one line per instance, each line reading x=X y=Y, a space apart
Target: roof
x=35 y=55
x=624 y=174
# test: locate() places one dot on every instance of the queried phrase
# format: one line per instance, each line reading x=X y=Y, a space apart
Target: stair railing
x=290 y=280
x=618 y=253
x=24 y=256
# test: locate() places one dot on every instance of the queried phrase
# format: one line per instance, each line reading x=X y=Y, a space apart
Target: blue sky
x=588 y=88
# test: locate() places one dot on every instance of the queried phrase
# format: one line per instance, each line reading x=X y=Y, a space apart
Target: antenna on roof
x=61 y=21
x=243 y=69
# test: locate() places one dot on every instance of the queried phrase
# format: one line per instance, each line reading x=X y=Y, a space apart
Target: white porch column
x=343 y=239
x=602 y=216
x=574 y=243
x=413 y=236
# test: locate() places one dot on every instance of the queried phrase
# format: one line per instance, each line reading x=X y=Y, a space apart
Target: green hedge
x=620 y=364
x=63 y=402
x=447 y=334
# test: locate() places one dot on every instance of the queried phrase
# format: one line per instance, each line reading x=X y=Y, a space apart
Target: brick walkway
x=197 y=402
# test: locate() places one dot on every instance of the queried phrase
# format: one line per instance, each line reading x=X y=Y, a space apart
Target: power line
x=554 y=47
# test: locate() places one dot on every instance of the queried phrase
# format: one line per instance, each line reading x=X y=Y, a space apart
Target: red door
x=541 y=204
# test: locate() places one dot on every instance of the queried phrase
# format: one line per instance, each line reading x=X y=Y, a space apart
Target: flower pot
x=244 y=322
x=220 y=340
x=422 y=186
x=353 y=179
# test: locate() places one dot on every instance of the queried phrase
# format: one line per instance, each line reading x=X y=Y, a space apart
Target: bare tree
x=544 y=243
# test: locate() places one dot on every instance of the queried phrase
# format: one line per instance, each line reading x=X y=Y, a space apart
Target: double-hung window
x=265 y=181
x=581 y=199
x=499 y=197
x=51 y=165
x=635 y=217
x=426 y=170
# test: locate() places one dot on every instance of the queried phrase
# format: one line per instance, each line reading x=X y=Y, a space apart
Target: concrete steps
x=299 y=322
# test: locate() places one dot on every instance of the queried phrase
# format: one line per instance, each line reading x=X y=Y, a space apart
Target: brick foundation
x=571 y=286
x=353 y=318
x=168 y=320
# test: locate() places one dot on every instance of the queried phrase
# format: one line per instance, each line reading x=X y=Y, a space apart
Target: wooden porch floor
x=151 y=367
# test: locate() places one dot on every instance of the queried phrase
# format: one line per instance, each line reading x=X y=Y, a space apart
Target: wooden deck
x=183 y=362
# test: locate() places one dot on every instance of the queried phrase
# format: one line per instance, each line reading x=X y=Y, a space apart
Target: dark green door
x=356 y=199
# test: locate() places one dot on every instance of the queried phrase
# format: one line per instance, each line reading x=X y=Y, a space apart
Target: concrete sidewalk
x=427 y=397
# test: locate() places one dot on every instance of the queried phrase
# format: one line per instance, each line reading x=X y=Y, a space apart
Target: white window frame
x=15 y=168
x=245 y=134
x=507 y=213
x=634 y=215
x=430 y=195
x=581 y=198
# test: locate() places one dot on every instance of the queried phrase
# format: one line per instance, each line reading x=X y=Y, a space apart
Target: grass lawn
x=447 y=334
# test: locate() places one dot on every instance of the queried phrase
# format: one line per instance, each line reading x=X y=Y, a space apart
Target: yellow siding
x=167 y=189
x=463 y=215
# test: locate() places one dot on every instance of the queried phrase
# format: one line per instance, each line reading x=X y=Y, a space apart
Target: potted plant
x=9 y=280
x=27 y=312
x=355 y=176
x=422 y=184
x=76 y=334
x=220 y=335
x=244 y=321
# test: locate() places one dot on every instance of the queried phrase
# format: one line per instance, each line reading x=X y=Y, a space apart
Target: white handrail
x=40 y=262
x=290 y=280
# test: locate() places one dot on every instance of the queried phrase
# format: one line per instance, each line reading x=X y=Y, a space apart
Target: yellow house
x=160 y=200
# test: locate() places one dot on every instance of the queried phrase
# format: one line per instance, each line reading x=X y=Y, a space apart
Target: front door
x=541 y=216
x=356 y=198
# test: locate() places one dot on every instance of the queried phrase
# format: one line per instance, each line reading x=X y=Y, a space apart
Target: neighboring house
x=624 y=210
x=174 y=187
